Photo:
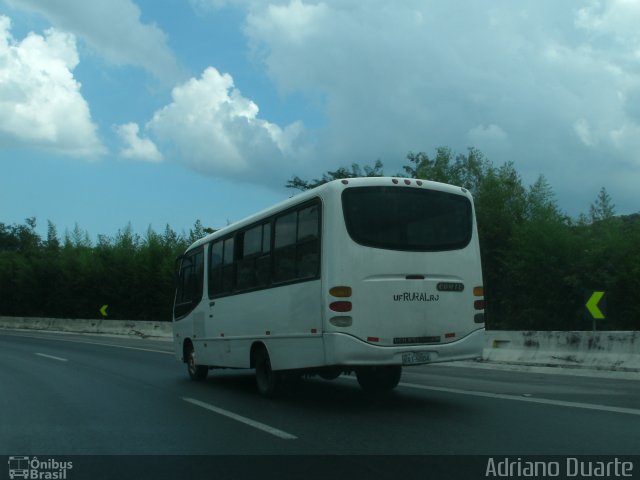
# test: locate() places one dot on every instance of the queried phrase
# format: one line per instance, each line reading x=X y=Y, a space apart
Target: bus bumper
x=343 y=349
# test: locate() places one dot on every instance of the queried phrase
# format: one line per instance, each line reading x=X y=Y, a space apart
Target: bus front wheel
x=379 y=378
x=196 y=372
x=267 y=381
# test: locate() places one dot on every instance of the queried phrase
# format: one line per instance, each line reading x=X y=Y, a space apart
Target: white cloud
x=583 y=130
x=618 y=18
x=40 y=100
x=414 y=75
x=137 y=148
x=114 y=29
x=205 y=5
x=487 y=134
x=294 y=23
x=212 y=128
x=627 y=138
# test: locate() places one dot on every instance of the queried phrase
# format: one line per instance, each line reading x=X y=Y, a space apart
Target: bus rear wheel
x=330 y=373
x=196 y=372
x=379 y=378
x=267 y=381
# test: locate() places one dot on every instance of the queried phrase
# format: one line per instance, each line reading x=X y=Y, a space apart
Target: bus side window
x=190 y=282
x=228 y=266
x=253 y=257
x=221 y=267
x=198 y=281
x=184 y=292
x=251 y=241
x=263 y=262
x=285 y=247
x=215 y=268
x=308 y=251
x=297 y=244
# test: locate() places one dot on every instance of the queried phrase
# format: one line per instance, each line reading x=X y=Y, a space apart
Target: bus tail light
x=373 y=339
x=341 y=321
x=478 y=292
x=340 y=306
x=341 y=292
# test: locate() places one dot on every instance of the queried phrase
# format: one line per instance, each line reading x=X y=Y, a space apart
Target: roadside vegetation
x=538 y=262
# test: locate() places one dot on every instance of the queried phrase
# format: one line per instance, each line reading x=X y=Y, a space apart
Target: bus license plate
x=412 y=358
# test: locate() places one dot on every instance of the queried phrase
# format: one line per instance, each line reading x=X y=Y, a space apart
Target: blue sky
x=155 y=113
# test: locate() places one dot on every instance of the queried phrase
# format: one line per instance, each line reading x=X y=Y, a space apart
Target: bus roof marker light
x=407 y=182
x=340 y=291
x=394 y=180
x=345 y=182
x=419 y=182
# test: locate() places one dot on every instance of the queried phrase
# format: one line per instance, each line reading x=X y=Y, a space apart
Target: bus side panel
x=181 y=330
x=286 y=319
x=292 y=353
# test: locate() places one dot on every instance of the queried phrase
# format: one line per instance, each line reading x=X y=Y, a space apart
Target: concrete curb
x=613 y=351
x=605 y=351
x=142 y=329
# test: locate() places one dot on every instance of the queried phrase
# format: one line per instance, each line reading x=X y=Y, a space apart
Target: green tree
x=543 y=295
x=603 y=208
x=437 y=169
x=500 y=207
x=197 y=232
x=52 y=236
x=467 y=170
x=355 y=171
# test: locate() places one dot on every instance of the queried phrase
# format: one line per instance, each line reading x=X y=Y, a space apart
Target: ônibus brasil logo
x=36 y=469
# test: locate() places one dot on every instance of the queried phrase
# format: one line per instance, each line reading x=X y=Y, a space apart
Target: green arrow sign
x=593 y=307
x=103 y=310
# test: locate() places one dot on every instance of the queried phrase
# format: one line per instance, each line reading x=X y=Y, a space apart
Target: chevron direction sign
x=596 y=305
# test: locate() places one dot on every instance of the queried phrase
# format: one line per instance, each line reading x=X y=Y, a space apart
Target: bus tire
x=197 y=373
x=267 y=381
x=330 y=373
x=379 y=378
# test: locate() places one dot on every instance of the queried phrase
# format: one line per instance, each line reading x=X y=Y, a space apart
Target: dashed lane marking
x=60 y=359
x=239 y=418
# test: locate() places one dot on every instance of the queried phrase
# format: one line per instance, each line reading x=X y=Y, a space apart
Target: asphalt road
x=83 y=395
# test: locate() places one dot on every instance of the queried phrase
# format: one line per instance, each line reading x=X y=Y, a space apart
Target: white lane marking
x=122 y=346
x=60 y=359
x=247 y=421
x=544 y=401
x=45 y=337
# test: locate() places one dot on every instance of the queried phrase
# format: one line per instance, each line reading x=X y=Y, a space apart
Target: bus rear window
x=413 y=219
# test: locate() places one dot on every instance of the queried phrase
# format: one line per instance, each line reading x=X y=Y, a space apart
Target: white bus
x=361 y=275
